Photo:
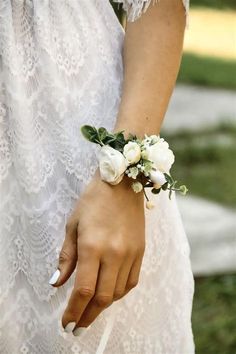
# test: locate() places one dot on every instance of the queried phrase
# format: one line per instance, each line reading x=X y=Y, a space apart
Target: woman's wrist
x=130 y=162
x=125 y=183
x=138 y=126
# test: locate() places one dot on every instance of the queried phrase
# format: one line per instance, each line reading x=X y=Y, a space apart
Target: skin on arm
x=152 y=55
x=105 y=235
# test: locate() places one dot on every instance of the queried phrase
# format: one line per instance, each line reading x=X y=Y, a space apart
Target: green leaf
x=168 y=178
x=120 y=136
x=116 y=144
x=119 y=133
x=102 y=132
x=164 y=186
x=108 y=139
x=90 y=133
x=149 y=184
x=156 y=191
x=132 y=137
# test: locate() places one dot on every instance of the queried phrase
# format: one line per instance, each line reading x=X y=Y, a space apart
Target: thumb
x=67 y=257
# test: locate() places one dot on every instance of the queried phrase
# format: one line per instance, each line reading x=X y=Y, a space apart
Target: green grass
x=205 y=162
x=217 y=4
x=207 y=71
x=214 y=315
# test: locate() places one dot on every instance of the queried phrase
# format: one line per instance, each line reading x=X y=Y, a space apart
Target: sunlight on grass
x=211 y=32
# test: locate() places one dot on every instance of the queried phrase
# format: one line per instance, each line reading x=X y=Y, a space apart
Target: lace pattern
x=61 y=67
x=135 y=8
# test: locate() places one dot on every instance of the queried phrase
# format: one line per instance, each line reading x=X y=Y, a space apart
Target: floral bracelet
x=147 y=161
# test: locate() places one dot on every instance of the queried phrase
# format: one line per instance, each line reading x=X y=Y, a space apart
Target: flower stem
x=145 y=194
x=174 y=189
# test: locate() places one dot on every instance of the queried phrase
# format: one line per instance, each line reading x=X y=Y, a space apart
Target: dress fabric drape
x=61 y=67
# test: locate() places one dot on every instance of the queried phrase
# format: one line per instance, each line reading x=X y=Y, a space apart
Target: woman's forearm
x=152 y=54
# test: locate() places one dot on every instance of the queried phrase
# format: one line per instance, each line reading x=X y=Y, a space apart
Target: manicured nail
x=55 y=277
x=79 y=330
x=69 y=327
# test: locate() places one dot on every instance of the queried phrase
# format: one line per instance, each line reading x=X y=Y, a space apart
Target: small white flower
x=161 y=155
x=149 y=204
x=112 y=165
x=134 y=171
x=137 y=187
x=158 y=178
x=132 y=152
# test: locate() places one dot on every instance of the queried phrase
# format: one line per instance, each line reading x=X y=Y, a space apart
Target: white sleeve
x=135 y=8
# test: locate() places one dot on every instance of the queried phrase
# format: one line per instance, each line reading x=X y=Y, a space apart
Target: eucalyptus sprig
x=143 y=160
x=102 y=137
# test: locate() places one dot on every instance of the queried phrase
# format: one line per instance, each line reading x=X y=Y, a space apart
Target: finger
x=103 y=298
x=67 y=257
x=84 y=288
x=122 y=278
x=133 y=277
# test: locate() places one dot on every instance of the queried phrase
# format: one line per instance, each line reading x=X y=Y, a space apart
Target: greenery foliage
x=118 y=10
x=205 y=159
x=140 y=169
x=218 y=4
x=214 y=315
x=207 y=71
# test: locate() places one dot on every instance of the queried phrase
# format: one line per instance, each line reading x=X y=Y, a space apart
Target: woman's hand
x=105 y=238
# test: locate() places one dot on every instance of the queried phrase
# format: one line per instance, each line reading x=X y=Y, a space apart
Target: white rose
x=132 y=152
x=112 y=164
x=157 y=178
x=161 y=155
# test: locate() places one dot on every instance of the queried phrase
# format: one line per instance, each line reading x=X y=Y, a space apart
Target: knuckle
x=117 y=251
x=88 y=247
x=64 y=256
x=103 y=300
x=84 y=291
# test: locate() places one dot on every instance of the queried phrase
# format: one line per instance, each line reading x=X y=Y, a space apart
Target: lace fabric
x=135 y=8
x=61 y=67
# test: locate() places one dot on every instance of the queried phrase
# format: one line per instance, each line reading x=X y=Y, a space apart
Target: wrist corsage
x=147 y=161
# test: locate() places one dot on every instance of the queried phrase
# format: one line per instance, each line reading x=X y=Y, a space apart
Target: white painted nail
x=79 y=330
x=69 y=327
x=55 y=277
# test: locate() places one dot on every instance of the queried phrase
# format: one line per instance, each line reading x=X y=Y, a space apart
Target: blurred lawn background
x=205 y=159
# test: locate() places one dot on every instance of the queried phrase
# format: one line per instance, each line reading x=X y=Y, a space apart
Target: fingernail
x=69 y=327
x=79 y=330
x=55 y=277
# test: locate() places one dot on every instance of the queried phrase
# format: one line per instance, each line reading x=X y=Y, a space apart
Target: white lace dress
x=60 y=68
